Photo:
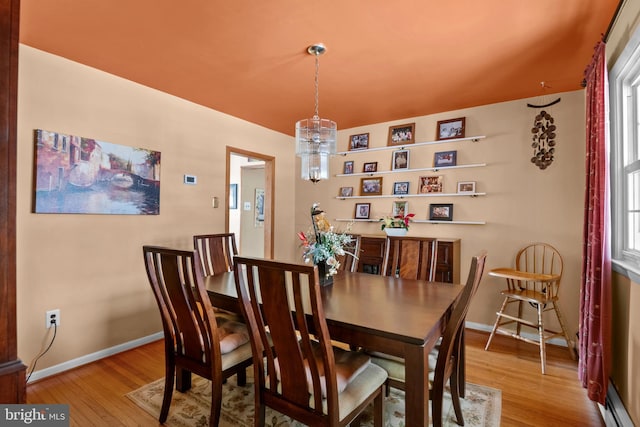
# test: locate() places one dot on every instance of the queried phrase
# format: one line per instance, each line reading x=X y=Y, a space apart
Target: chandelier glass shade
x=315 y=137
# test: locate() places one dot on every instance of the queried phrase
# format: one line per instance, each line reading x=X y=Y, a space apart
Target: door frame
x=269 y=193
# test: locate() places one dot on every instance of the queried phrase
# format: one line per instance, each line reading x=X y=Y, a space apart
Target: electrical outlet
x=51 y=316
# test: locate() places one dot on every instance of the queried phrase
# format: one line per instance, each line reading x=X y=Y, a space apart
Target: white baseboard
x=83 y=360
x=487 y=328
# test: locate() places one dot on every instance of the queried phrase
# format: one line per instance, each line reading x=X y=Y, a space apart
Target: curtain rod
x=614 y=18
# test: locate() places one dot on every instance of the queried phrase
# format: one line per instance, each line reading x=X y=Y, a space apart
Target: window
x=624 y=82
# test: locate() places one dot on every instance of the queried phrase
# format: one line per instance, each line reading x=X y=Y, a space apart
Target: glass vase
x=323 y=274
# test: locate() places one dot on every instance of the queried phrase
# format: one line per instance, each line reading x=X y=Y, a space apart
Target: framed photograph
x=371 y=186
x=466 y=187
x=430 y=184
x=444 y=159
x=359 y=142
x=400 y=160
x=370 y=167
x=401 y=187
x=346 y=191
x=362 y=210
x=259 y=207
x=441 y=212
x=348 y=167
x=450 y=129
x=233 y=196
x=401 y=134
x=400 y=208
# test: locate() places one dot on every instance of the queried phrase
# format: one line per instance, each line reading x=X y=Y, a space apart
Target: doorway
x=249 y=201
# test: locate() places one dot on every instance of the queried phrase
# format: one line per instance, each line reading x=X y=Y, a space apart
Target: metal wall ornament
x=543 y=135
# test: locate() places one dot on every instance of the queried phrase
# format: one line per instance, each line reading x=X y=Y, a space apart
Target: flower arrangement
x=324 y=244
x=397 y=221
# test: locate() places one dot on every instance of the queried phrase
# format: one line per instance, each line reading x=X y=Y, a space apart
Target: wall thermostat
x=190 y=179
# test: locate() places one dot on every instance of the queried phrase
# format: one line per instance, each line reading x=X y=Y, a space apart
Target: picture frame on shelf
x=359 y=142
x=401 y=187
x=400 y=160
x=443 y=159
x=371 y=186
x=362 y=211
x=441 y=212
x=370 y=167
x=348 y=167
x=466 y=187
x=400 y=208
x=346 y=191
x=450 y=129
x=401 y=134
x=430 y=184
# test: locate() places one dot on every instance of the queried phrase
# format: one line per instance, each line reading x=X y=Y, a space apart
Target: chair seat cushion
x=348 y=365
x=395 y=365
x=232 y=334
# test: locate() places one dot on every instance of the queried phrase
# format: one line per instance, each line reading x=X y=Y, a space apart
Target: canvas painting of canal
x=77 y=175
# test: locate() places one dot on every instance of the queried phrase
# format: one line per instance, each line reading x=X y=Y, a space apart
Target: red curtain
x=595 y=290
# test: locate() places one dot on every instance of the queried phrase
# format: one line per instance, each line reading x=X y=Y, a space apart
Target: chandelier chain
x=317 y=84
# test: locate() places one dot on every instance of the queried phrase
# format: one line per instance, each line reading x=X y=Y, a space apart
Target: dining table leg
x=417 y=384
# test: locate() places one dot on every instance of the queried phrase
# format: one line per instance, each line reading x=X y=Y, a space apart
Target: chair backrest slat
x=410 y=257
x=349 y=262
x=216 y=252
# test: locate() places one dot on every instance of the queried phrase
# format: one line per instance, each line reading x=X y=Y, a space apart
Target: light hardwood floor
x=96 y=392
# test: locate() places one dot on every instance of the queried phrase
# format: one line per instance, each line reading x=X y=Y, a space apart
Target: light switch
x=215 y=202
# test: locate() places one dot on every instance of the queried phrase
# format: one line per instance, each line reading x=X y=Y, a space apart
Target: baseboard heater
x=613 y=411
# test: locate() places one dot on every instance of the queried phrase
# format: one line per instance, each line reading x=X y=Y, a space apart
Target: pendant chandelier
x=315 y=137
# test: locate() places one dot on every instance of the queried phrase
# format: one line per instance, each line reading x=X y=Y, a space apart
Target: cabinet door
x=371 y=255
x=448 y=261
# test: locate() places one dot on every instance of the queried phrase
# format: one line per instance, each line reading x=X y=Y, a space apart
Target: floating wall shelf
x=407 y=146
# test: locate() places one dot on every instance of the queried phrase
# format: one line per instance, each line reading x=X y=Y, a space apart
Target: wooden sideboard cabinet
x=447 y=265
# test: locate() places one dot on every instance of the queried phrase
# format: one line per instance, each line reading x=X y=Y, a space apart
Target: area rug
x=481 y=406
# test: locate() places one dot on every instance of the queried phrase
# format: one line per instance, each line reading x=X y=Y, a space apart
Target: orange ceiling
x=385 y=60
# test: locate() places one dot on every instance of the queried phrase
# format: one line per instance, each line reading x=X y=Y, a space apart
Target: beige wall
x=523 y=203
x=625 y=373
x=90 y=266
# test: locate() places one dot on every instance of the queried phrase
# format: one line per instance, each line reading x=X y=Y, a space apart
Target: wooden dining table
x=396 y=316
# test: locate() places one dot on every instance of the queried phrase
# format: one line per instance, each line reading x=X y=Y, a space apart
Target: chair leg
x=455 y=398
x=168 y=392
x=495 y=325
x=518 y=324
x=460 y=365
x=543 y=353
x=216 y=401
x=556 y=308
x=242 y=377
x=378 y=410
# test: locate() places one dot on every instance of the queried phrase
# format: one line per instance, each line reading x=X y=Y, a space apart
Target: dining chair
x=542 y=295
x=298 y=372
x=349 y=261
x=444 y=360
x=195 y=339
x=410 y=257
x=216 y=252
